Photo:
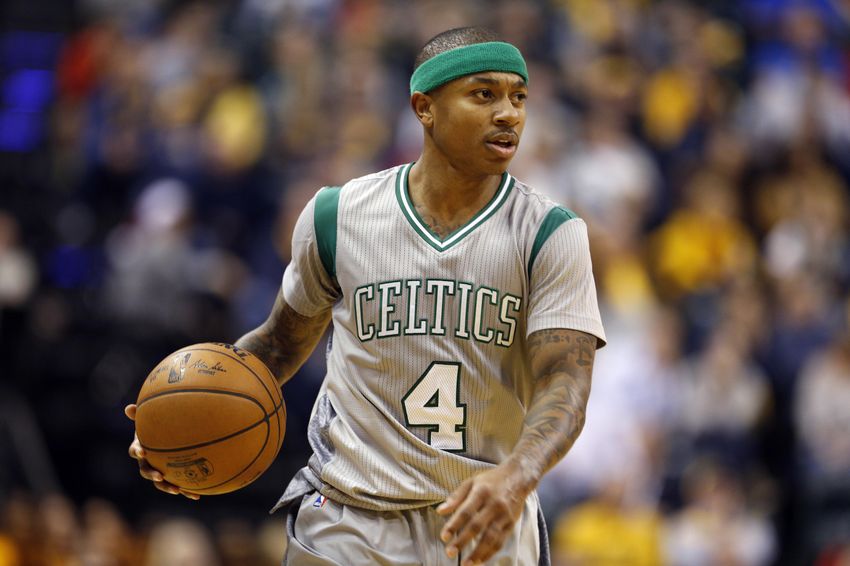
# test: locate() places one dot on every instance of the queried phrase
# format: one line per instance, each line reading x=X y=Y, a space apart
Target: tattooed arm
x=489 y=504
x=561 y=363
x=285 y=339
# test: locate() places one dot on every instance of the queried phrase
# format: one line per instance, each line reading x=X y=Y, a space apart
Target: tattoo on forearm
x=285 y=340
x=562 y=360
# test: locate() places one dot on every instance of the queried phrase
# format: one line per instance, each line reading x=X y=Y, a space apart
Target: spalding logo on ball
x=211 y=418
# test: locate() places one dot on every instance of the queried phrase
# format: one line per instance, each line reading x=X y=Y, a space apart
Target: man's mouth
x=503 y=143
x=504 y=146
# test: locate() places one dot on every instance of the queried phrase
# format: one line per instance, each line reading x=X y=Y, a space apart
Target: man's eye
x=484 y=93
x=520 y=97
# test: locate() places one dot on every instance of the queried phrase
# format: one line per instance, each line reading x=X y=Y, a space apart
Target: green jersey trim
x=324 y=225
x=554 y=218
x=442 y=244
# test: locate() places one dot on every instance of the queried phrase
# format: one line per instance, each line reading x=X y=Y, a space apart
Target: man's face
x=478 y=120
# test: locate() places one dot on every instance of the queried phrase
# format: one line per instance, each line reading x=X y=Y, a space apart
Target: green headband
x=466 y=60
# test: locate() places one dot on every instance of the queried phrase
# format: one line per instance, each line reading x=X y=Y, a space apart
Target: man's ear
x=422 y=107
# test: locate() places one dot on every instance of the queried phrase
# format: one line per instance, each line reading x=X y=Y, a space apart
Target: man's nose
x=507 y=113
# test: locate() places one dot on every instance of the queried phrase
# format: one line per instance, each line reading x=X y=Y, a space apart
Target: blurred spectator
x=821 y=415
x=725 y=398
x=236 y=543
x=608 y=177
x=151 y=257
x=685 y=96
x=19 y=529
x=797 y=96
x=182 y=44
x=159 y=275
x=806 y=316
x=234 y=129
x=60 y=530
x=606 y=529
x=822 y=505
x=180 y=542
x=703 y=244
x=292 y=93
x=808 y=228
x=107 y=539
x=271 y=541
x=716 y=526
x=18 y=272
x=19 y=276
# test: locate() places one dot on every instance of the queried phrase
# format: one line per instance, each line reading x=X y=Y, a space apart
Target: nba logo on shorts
x=320 y=502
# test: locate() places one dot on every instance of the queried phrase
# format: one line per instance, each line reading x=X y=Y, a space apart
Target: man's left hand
x=485 y=506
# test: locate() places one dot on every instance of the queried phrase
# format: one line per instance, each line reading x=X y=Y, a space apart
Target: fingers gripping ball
x=211 y=418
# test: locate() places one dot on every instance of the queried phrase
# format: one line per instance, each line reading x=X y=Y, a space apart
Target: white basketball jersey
x=428 y=377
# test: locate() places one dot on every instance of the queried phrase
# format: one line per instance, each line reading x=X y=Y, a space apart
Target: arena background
x=153 y=155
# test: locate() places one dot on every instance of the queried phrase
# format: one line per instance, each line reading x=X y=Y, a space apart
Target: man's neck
x=445 y=197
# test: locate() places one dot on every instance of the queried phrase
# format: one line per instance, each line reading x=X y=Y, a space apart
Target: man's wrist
x=525 y=469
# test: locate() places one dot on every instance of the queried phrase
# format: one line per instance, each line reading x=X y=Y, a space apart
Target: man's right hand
x=145 y=469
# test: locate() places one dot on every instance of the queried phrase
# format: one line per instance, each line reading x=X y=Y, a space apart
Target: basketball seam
x=247 y=466
x=243 y=470
x=265 y=418
x=246 y=366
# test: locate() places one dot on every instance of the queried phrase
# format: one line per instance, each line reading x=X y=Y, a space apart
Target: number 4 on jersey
x=434 y=403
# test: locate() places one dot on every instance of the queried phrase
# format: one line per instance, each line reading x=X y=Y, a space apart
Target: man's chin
x=499 y=167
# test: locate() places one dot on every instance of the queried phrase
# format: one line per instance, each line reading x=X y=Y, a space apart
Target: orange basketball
x=211 y=418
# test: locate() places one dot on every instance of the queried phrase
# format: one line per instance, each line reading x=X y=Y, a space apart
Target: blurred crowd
x=52 y=531
x=154 y=157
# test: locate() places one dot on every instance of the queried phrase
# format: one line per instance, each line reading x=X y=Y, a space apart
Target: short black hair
x=453 y=38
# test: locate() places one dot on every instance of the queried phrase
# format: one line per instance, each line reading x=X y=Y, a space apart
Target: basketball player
x=465 y=325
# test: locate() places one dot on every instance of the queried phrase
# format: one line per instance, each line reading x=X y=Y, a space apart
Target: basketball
x=211 y=418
